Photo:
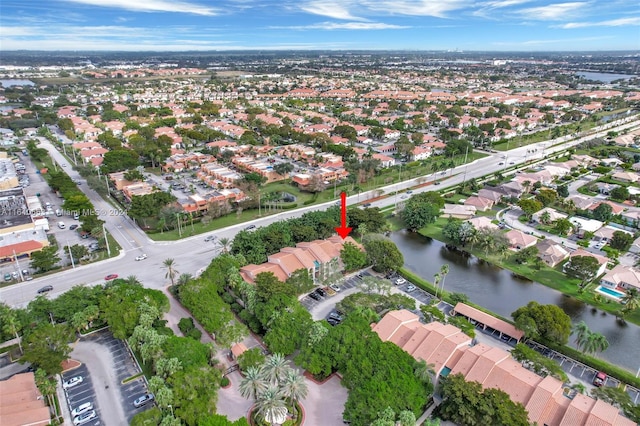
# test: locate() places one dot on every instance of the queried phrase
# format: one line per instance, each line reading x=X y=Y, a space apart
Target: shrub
x=224 y=382
x=195 y=334
x=186 y=325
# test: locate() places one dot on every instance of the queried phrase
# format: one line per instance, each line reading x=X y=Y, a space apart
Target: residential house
x=551 y=252
x=635 y=246
x=480 y=222
x=320 y=257
x=21 y=403
x=583 y=225
x=491 y=194
x=622 y=278
x=616 y=209
x=602 y=261
x=450 y=351
x=606 y=233
x=605 y=188
x=553 y=215
x=631 y=216
x=459 y=211
x=480 y=203
x=581 y=202
x=518 y=240
x=627 y=177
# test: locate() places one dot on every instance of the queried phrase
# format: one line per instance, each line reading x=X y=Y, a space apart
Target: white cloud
x=331 y=9
x=436 y=8
x=611 y=23
x=553 y=12
x=345 y=26
x=152 y=6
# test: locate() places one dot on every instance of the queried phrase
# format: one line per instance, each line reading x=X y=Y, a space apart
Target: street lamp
x=171 y=407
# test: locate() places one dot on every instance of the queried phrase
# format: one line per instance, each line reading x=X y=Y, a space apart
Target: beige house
x=458 y=211
x=518 y=240
x=553 y=215
x=622 y=278
x=480 y=203
x=551 y=252
x=482 y=222
x=602 y=261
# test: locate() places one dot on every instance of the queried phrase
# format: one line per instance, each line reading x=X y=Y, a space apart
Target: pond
x=500 y=291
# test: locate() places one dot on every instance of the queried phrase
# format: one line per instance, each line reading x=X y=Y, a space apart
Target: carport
x=486 y=321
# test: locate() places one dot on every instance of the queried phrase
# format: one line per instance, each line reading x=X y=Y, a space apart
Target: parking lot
x=106 y=363
x=82 y=392
x=125 y=367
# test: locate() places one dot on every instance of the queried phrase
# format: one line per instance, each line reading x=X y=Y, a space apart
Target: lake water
x=498 y=290
x=16 y=82
x=604 y=77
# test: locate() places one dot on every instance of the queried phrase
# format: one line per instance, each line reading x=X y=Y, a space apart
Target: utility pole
x=106 y=239
x=18 y=266
x=73 y=264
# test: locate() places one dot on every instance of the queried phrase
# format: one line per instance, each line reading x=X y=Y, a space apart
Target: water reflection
x=502 y=292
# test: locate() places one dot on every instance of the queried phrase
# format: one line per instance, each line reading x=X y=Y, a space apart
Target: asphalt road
x=193 y=254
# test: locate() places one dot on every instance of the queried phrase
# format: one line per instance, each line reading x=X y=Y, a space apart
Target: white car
x=334 y=287
x=400 y=281
x=84 y=418
x=141 y=257
x=72 y=382
x=81 y=409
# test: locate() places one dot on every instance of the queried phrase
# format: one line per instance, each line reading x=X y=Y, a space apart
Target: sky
x=183 y=25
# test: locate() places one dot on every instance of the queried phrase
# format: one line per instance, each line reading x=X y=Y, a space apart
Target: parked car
x=141 y=257
x=45 y=289
x=334 y=287
x=73 y=227
x=437 y=182
x=61 y=225
x=144 y=399
x=332 y=322
x=84 y=418
x=599 y=379
x=400 y=281
x=111 y=277
x=81 y=409
x=209 y=238
x=366 y=205
x=72 y=382
x=335 y=316
x=7 y=277
x=321 y=292
x=409 y=192
x=410 y=288
x=315 y=296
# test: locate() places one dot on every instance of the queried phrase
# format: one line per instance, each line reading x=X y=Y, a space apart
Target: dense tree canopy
x=546 y=321
x=422 y=209
x=382 y=253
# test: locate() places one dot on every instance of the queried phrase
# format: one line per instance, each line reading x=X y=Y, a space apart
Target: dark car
x=45 y=289
x=72 y=227
x=335 y=316
x=250 y=227
x=366 y=205
x=315 y=296
x=332 y=322
x=321 y=292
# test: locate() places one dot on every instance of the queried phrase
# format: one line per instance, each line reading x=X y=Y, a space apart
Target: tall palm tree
x=596 y=343
x=271 y=406
x=11 y=325
x=444 y=270
x=631 y=301
x=275 y=368
x=253 y=384
x=171 y=271
x=436 y=282
x=225 y=243
x=580 y=329
x=294 y=388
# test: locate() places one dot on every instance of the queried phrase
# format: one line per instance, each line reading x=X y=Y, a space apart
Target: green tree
x=10 y=323
x=546 y=197
x=47 y=346
x=563 y=191
x=537 y=362
x=118 y=160
x=253 y=383
x=421 y=210
x=545 y=321
x=45 y=259
x=529 y=206
x=383 y=254
x=526 y=255
x=562 y=226
x=621 y=240
x=133 y=175
x=583 y=268
x=294 y=388
x=77 y=203
x=621 y=193
x=300 y=280
x=251 y=358
x=352 y=257
x=195 y=393
x=631 y=301
x=603 y=213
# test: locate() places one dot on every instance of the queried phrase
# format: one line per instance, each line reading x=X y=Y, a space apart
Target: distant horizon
x=328 y=25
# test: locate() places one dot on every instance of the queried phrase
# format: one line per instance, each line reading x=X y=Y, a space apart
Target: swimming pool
x=610 y=292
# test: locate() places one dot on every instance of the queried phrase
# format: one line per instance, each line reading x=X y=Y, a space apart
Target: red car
x=111 y=277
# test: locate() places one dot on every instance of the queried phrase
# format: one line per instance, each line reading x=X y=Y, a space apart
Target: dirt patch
x=70 y=364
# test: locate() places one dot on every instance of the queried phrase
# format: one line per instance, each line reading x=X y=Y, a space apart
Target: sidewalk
x=62 y=402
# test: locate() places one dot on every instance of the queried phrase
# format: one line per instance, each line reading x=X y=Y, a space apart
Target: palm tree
x=436 y=282
x=581 y=330
x=132 y=280
x=270 y=405
x=294 y=388
x=225 y=243
x=596 y=342
x=444 y=270
x=253 y=384
x=171 y=272
x=275 y=368
x=631 y=301
x=184 y=278
x=423 y=371
x=11 y=325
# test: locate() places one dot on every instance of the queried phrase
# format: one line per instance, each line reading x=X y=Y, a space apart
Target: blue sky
x=175 y=25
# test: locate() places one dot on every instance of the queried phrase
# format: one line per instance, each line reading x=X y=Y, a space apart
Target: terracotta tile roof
x=489 y=320
x=20 y=248
x=577 y=411
x=21 y=402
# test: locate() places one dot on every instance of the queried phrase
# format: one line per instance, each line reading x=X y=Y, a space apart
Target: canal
x=498 y=290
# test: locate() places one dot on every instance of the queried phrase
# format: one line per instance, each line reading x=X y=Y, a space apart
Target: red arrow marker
x=343 y=231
